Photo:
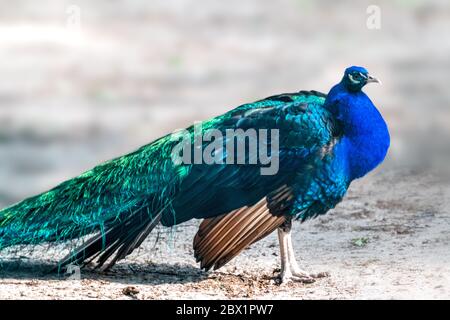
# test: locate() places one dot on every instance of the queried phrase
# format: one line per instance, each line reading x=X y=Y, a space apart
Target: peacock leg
x=285 y=273
x=289 y=267
x=290 y=271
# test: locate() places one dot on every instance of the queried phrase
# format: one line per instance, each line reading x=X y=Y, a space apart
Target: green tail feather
x=93 y=200
x=72 y=209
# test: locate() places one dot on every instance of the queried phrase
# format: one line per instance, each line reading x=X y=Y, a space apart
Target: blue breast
x=366 y=139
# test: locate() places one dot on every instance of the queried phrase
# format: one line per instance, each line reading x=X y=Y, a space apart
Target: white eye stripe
x=363 y=75
x=351 y=79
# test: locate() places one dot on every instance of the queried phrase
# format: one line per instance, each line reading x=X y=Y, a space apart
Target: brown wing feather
x=221 y=238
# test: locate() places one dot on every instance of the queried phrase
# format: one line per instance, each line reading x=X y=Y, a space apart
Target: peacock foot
x=294 y=274
x=290 y=270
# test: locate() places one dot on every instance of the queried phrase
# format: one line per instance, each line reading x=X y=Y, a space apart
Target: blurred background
x=82 y=82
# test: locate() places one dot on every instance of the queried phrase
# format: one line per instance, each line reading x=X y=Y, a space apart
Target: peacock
x=323 y=142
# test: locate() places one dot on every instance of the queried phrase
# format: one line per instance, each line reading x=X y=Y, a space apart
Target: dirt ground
x=389 y=239
x=73 y=97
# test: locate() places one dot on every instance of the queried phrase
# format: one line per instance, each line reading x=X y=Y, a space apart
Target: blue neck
x=366 y=136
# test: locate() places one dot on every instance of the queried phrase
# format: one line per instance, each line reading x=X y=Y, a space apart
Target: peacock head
x=355 y=78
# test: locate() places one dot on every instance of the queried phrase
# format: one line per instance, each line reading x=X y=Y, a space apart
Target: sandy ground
x=135 y=70
x=388 y=240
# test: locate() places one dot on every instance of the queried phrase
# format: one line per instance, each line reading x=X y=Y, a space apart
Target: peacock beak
x=373 y=79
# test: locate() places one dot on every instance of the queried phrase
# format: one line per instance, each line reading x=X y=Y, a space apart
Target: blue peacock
x=325 y=142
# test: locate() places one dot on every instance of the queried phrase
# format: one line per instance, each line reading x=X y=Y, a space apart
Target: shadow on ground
x=129 y=273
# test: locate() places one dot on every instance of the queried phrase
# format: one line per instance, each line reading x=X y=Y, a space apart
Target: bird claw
x=296 y=271
x=285 y=279
x=301 y=277
x=319 y=275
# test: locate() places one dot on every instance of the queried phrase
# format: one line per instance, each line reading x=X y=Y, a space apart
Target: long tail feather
x=119 y=240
